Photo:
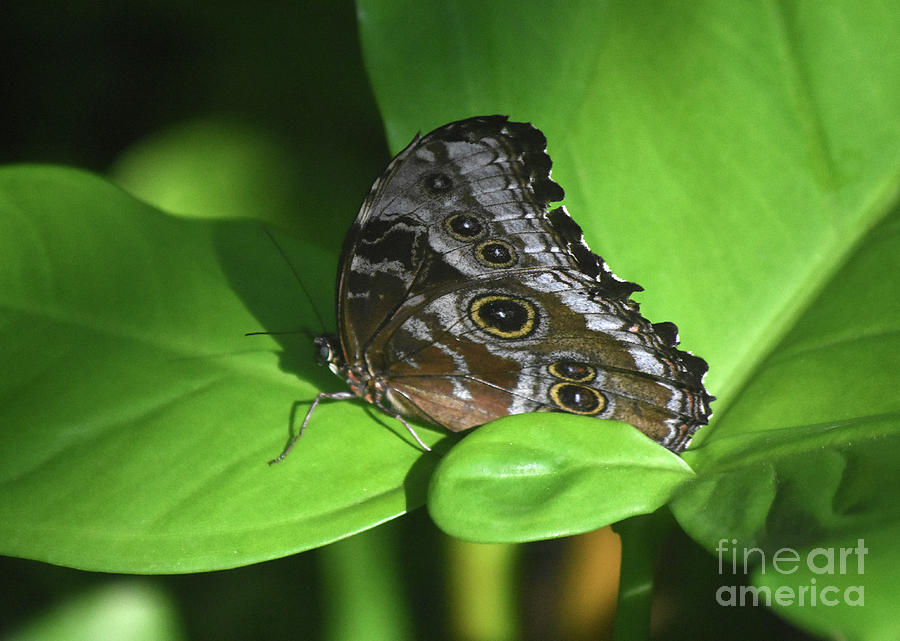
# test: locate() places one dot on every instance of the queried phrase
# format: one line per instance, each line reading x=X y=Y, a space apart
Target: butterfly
x=462 y=297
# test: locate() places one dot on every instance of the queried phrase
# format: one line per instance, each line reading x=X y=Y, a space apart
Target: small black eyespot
x=496 y=253
x=578 y=399
x=438 y=183
x=573 y=371
x=464 y=226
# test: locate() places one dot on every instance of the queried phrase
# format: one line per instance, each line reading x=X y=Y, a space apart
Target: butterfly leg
x=413 y=432
x=337 y=396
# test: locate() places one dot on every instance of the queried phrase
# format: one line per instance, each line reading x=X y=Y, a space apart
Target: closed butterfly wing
x=463 y=299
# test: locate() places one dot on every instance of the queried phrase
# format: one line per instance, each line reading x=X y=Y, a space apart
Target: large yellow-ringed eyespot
x=572 y=371
x=503 y=316
x=496 y=253
x=464 y=226
x=578 y=399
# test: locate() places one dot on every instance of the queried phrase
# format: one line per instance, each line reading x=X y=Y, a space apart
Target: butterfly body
x=463 y=297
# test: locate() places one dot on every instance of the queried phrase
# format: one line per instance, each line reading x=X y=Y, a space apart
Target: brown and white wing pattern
x=468 y=298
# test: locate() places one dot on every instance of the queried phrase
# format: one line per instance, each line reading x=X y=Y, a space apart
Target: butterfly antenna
x=290 y=331
x=299 y=282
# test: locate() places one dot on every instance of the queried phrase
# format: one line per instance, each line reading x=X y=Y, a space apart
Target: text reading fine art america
x=462 y=298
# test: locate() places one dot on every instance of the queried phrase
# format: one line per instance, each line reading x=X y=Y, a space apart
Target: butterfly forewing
x=404 y=242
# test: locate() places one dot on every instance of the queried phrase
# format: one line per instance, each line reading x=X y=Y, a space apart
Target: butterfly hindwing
x=542 y=341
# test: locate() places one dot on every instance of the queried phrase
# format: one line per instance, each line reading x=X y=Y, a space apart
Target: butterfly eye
x=578 y=399
x=464 y=226
x=325 y=352
x=496 y=253
x=503 y=316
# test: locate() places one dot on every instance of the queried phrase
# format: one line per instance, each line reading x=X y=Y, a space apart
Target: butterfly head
x=328 y=352
x=358 y=379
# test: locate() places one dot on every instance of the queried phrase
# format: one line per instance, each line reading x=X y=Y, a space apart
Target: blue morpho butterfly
x=462 y=297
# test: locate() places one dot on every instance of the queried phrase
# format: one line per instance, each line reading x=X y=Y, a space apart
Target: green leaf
x=220 y=167
x=858 y=594
x=811 y=445
x=722 y=155
x=130 y=609
x=137 y=419
x=468 y=58
x=214 y=167
x=546 y=475
x=734 y=159
x=718 y=154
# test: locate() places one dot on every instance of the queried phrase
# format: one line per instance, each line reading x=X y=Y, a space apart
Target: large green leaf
x=723 y=155
x=137 y=419
x=811 y=445
x=733 y=158
x=719 y=154
x=812 y=441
